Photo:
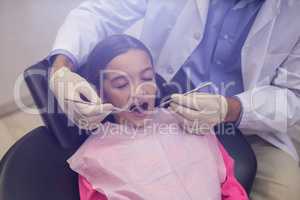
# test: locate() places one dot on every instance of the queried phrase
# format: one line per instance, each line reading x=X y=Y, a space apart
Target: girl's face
x=129 y=83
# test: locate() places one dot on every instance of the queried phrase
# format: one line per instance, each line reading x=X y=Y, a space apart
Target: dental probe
x=93 y=104
x=203 y=85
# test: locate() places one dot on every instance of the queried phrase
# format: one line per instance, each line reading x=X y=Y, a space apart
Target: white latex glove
x=199 y=112
x=66 y=84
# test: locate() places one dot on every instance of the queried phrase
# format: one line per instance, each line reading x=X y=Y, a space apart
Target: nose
x=143 y=91
x=139 y=93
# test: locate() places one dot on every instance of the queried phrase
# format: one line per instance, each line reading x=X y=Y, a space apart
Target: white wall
x=27 y=31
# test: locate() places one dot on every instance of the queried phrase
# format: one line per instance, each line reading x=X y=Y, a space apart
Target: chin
x=138 y=120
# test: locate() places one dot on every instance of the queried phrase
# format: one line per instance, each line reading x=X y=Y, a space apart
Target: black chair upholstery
x=56 y=121
x=31 y=152
x=35 y=168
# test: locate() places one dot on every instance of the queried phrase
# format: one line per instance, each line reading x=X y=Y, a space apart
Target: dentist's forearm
x=234 y=110
x=62 y=61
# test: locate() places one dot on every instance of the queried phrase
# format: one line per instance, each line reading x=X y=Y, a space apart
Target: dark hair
x=107 y=50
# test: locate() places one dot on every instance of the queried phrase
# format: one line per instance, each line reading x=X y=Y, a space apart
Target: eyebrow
x=148 y=68
x=118 y=77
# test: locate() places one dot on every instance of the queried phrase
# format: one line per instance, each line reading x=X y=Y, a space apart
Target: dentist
x=249 y=49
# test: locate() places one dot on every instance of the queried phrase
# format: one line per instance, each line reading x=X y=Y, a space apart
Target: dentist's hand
x=68 y=87
x=200 y=112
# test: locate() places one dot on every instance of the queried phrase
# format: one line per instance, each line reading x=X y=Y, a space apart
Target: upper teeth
x=139 y=107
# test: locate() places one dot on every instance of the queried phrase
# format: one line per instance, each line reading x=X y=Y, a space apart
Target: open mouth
x=139 y=108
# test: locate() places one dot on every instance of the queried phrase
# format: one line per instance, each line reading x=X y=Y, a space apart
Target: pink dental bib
x=158 y=162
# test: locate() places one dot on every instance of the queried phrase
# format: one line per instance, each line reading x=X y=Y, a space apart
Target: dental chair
x=35 y=167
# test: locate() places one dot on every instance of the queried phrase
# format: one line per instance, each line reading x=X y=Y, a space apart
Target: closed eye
x=122 y=86
x=120 y=82
x=148 y=74
x=148 y=79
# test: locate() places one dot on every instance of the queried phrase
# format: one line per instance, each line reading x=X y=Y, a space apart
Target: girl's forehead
x=130 y=62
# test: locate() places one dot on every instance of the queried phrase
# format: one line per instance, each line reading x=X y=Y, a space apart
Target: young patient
x=142 y=152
